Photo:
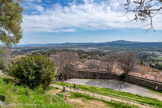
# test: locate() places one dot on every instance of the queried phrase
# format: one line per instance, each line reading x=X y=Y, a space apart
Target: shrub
x=33 y=71
x=123 y=76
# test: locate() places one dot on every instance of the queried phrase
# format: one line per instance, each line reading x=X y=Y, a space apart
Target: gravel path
x=118 y=86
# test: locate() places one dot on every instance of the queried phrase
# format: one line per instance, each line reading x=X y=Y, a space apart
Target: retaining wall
x=93 y=75
x=105 y=75
x=144 y=82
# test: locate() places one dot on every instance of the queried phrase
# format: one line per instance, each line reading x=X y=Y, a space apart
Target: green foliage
x=157 y=58
x=78 y=95
x=1 y=51
x=157 y=66
x=3 y=64
x=27 y=98
x=34 y=71
x=60 y=95
x=10 y=21
x=116 y=104
x=155 y=91
x=2 y=98
x=122 y=76
x=141 y=63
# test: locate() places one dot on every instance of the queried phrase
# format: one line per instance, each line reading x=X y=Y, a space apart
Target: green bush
x=123 y=76
x=34 y=71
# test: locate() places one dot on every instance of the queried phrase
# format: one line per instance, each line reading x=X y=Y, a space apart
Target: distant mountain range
x=119 y=43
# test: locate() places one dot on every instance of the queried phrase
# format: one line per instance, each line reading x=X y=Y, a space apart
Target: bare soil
x=79 y=103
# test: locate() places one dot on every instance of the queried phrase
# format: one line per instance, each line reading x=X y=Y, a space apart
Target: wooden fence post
x=64 y=89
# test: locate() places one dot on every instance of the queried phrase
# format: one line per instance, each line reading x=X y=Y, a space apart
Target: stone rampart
x=105 y=75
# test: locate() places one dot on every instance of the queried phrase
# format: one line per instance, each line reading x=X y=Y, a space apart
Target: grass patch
x=155 y=91
x=20 y=97
x=79 y=95
x=157 y=58
x=60 y=95
x=113 y=104
x=119 y=94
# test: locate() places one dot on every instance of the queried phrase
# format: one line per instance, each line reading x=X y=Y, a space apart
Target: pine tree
x=10 y=21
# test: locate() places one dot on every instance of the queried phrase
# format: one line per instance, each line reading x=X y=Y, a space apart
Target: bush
x=123 y=76
x=34 y=71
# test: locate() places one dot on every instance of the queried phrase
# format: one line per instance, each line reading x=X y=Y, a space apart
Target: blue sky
x=59 y=21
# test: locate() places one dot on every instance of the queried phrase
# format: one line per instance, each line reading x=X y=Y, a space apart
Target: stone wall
x=144 y=82
x=93 y=75
x=104 y=75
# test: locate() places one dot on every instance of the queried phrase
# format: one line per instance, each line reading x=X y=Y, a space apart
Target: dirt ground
x=80 y=103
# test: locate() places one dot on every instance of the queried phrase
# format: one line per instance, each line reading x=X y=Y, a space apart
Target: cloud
x=88 y=1
x=33 y=0
x=39 y=0
x=87 y=16
x=29 y=0
x=39 y=8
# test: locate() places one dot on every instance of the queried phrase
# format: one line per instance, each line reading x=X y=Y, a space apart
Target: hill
x=119 y=43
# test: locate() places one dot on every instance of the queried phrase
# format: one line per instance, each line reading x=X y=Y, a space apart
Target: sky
x=60 y=21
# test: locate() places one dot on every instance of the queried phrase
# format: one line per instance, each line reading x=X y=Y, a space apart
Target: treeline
x=82 y=54
x=156 y=66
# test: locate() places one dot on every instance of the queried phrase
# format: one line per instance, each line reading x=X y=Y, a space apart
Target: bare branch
x=109 y=62
x=143 y=10
x=127 y=60
x=65 y=61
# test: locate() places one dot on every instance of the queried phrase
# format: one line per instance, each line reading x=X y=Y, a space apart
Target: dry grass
x=80 y=103
x=55 y=91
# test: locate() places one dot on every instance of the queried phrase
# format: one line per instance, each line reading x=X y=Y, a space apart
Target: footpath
x=99 y=96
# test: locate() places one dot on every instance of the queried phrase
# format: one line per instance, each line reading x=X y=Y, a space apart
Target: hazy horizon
x=93 y=42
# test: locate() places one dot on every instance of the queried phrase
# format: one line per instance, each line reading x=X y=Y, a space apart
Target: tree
x=143 y=10
x=93 y=64
x=109 y=60
x=5 y=54
x=33 y=71
x=127 y=61
x=10 y=21
x=3 y=64
x=64 y=61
